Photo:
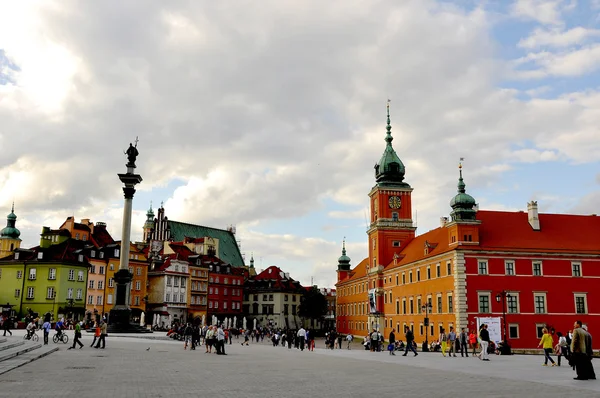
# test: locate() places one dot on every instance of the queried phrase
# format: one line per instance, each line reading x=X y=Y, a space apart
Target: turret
x=343 y=263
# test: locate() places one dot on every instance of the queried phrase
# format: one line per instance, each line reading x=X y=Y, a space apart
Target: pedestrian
x=410 y=337
x=590 y=353
x=301 y=335
x=77 y=338
x=102 y=338
x=561 y=347
x=6 y=324
x=473 y=342
x=579 y=356
x=547 y=344
x=220 y=341
x=484 y=335
x=209 y=339
x=452 y=342
x=392 y=342
x=96 y=334
x=349 y=339
x=464 y=342
x=444 y=341
x=46 y=327
x=187 y=335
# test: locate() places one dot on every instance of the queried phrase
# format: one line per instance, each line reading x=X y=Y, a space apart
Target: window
x=539 y=300
x=98 y=300
x=52 y=273
x=111 y=267
x=50 y=292
x=403 y=278
x=226 y=281
x=137 y=300
x=513 y=331
x=512 y=304
x=93 y=253
x=431 y=332
x=225 y=291
x=80 y=258
x=100 y=284
x=540 y=330
x=216 y=290
x=138 y=285
x=217 y=278
x=77 y=236
x=111 y=282
x=576 y=269
x=70 y=293
x=394 y=216
x=30 y=292
x=397 y=279
x=404 y=306
x=439 y=304
x=428 y=272
x=210 y=290
x=80 y=276
x=216 y=304
x=101 y=270
x=131 y=270
x=483 y=267
x=90 y=300
x=418 y=275
x=581 y=303
x=91 y=284
x=438 y=272
x=484 y=302
x=176 y=281
x=138 y=270
x=19 y=274
x=397 y=307
x=169 y=280
x=410 y=276
x=537 y=268
x=79 y=294
x=168 y=297
x=17 y=292
x=182 y=282
x=109 y=297
x=411 y=306
x=509 y=267
x=419 y=305
x=116 y=252
x=210 y=304
x=450 y=304
x=396 y=243
x=101 y=254
x=225 y=305
x=449 y=268
x=32 y=274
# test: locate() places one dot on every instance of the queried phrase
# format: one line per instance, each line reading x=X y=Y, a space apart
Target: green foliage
x=313 y=305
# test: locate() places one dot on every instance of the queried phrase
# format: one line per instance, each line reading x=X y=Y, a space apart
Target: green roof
x=229 y=251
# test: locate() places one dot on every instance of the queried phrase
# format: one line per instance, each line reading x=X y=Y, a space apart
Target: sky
x=270 y=118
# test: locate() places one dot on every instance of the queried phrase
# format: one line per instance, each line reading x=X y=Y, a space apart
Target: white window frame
x=489 y=296
x=52 y=273
x=518 y=331
x=487 y=267
x=90 y=299
x=70 y=293
x=573 y=263
x=516 y=295
x=98 y=300
x=545 y=303
x=32 y=274
x=79 y=295
x=541 y=267
x=50 y=292
x=30 y=292
x=80 y=277
x=506 y=263
x=71 y=274
x=585 y=304
x=109 y=297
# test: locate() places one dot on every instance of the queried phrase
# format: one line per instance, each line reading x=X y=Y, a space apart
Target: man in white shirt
x=220 y=341
x=349 y=339
x=302 y=336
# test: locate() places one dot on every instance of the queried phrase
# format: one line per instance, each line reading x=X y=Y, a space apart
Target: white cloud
x=576 y=62
x=548 y=12
x=558 y=38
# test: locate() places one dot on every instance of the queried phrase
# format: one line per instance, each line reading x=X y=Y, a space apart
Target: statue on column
x=132 y=153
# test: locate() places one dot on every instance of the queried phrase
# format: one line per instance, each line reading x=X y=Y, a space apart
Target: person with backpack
x=410 y=338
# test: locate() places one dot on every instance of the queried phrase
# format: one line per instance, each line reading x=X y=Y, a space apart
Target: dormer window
x=116 y=252
x=93 y=254
x=81 y=258
x=16 y=256
x=40 y=255
x=101 y=254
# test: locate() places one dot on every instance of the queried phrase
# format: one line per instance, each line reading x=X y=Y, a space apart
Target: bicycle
x=33 y=337
x=63 y=337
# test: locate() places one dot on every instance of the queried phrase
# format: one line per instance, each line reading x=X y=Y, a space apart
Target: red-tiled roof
x=182 y=251
x=101 y=236
x=504 y=230
x=276 y=275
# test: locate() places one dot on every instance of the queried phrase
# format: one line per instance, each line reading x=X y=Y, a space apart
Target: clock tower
x=391 y=226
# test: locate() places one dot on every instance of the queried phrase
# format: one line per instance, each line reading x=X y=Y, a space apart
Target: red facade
x=225 y=289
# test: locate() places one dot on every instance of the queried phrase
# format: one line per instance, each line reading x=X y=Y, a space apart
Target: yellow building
x=9 y=236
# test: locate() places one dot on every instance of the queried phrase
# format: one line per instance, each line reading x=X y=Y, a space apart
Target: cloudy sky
x=270 y=115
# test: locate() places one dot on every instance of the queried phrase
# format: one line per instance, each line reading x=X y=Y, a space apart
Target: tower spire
x=462 y=204
x=461 y=183
x=389 y=171
x=388 y=127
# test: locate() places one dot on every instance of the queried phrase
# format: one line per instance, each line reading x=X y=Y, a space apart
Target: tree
x=313 y=305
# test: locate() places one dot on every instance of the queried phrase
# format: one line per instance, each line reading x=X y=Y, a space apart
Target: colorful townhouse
x=519 y=271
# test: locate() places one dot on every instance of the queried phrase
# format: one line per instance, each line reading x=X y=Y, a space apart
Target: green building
x=51 y=277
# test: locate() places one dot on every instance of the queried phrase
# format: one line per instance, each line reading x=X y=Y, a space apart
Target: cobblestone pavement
x=126 y=368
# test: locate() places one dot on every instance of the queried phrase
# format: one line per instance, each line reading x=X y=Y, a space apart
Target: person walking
x=6 y=325
x=561 y=347
x=187 y=335
x=96 y=334
x=220 y=341
x=579 y=356
x=392 y=342
x=77 y=336
x=301 y=335
x=349 y=339
x=452 y=342
x=46 y=326
x=464 y=342
x=102 y=338
x=590 y=353
x=547 y=344
x=410 y=337
x=484 y=335
x=444 y=341
x=473 y=342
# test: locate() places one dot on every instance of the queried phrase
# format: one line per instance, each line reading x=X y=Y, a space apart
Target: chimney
x=443 y=221
x=533 y=217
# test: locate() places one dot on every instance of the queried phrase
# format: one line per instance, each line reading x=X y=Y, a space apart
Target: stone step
x=18 y=350
x=3 y=340
x=12 y=344
x=27 y=357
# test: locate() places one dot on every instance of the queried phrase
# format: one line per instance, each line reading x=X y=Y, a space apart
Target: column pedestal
x=120 y=314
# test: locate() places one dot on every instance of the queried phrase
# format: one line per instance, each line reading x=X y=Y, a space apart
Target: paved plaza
x=126 y=368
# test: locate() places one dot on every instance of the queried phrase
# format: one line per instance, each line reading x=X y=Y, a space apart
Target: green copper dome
x=11 y=231
x=390 y=169
x=344 y=260
x=462 y=204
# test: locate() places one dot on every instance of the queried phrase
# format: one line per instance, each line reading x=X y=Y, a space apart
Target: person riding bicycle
x=30 y=329
x=59 y=327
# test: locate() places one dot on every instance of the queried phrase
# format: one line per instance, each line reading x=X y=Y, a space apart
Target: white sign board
x=494 y=327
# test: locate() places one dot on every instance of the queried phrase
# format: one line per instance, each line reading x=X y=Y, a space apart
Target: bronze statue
x=132 y=154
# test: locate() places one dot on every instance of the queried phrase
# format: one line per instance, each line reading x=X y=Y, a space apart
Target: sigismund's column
x=120 y=314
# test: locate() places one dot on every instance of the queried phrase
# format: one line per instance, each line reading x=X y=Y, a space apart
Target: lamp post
x=503 y=296
x=427 y=308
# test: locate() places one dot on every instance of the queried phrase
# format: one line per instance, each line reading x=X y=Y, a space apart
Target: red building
x=225 y=288
x=530 y=269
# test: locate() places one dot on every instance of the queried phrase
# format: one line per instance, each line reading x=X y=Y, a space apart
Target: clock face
x=395 y=202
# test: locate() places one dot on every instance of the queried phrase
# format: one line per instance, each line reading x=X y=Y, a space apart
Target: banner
x=372 y=302
x=494 y=327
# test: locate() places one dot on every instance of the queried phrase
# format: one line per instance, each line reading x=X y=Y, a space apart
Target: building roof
x=67 y=251
x=101 y=236
x=503 y=230
x=229 y=251
x=277 y=278
x=357 y=272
